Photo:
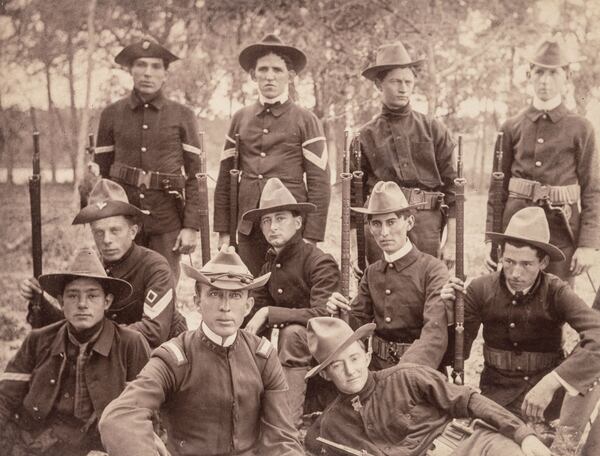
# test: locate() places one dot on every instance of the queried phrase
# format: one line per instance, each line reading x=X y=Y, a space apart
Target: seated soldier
x=406 y=409
x=220 y=390
x=55 y=387
x=302 y=278
x=114 y=222
x=523 y=310
x=401 y=292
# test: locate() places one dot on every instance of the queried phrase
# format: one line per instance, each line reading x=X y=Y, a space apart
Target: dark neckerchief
x=108 y=265
x=396 y=113
x=357 y=400
x=89 y=335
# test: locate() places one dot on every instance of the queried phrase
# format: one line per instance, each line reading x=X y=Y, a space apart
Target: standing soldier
x=550 y=160
x=149 y=144
x=406 y=147
x=275 y=138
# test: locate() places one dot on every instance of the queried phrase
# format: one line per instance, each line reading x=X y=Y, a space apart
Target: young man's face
x=271 y=75
x=113 y=236
x=521 y=266
x=548 y=82
x=84 y=302
x=223 y=311
x=390 y=231
x=149 y=74
x=397 y=87
x=279 y=227
x=349 y=370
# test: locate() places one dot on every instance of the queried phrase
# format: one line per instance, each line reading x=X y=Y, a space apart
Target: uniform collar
x=357 y=401
x=157 y=101
x=402 y=252
x=554 y=115
x=547 y=105
x=401 y=263
x=111 y=264
x=276 y=110
x=526 y=294
x=392 y=113
x=281 y=99
x=288 y=249
x=215 y=338
x=102 y=345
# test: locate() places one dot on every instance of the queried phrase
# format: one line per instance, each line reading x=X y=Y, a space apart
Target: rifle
x=234 y=175
x=357 y=183
x=497 y=191
x=459 y=303
x=34 y=314
x=202 y=180
x=338 y=447
x=346 y=178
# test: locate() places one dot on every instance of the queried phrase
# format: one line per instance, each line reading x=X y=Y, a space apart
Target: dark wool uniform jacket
x=302 y=279
x=532 y=323
x=409 y=148
x=284 y=141
x=158 y=135
x=151 y=306
x=403 y=299
x=213 y=401
x=402 y=409
x=33 y=378
x=554 y=148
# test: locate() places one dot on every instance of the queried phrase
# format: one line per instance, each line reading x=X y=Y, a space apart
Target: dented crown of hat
x=273 y=43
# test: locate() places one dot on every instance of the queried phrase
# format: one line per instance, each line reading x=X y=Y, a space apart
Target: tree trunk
x=74 y=133
x=51 y=123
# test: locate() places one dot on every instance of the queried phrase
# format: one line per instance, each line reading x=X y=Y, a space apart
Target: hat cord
x=244 y=278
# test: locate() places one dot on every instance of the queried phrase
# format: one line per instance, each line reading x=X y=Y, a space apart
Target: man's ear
x=292 y=74
x=298 y=222
x=108 y=300
x=249 y=305
x=368 y=355
x=411 y=222
x=323 y=373
x=545 y=262
x=252 y=74
x=377 y=85
x=197 y=300
x=135 y=228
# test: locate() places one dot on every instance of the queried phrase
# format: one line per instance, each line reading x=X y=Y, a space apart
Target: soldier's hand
x=336 y=302
x=186 y=241
x=223 y=239
x=448 y=292
x=357 y=272
x=538 y=398
x=489 y=264
x=532 y=446
x=311 y=241
x=29 y=287
x=582 y=259
x=258 y=321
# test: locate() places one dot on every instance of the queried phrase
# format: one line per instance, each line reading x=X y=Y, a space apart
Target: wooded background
x=57 y=69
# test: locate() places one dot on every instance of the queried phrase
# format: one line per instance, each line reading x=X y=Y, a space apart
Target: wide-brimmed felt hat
x=226 y=271
x=530 y=226
x=272 y=43
x=328 y=336
x=276 y=197
x=389 y=56
x=386 y=197
x=144 y=48
x=106 y=199
x=549 y=54
x=85 y=264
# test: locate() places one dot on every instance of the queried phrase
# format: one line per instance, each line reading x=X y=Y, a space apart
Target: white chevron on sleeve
x=155 y=310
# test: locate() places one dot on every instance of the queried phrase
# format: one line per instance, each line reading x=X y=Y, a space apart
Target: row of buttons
x=540 y=141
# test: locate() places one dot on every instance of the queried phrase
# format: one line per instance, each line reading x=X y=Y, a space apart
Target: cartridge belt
x=454 y=433
x=389 y=351
x=522 y=361
x=147 y=180
x=432 y=200
x=537 y=192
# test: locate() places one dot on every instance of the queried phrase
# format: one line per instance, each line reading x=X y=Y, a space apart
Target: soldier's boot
x=296 y=393
x=566 y=442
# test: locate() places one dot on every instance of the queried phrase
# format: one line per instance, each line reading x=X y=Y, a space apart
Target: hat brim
x=92 y=212
x=129 y=54
x=546 y=65
x=553 y=252
x=367 y=211
x=54 y=284
x=256 y=214
x=360 y=333
x=224 y=283
x=371 y=72
x=249 y=55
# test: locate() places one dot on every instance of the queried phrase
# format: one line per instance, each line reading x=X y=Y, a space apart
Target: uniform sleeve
x=588 y=173
x=104 y=153
x=221 y=198
x=362 y=306
x=581 y=369
x=473 y=313
x=278 y=436
x=324 y=280
x=431 y=345
x=137 y=356
x=444 y=156
x=159 y=305
x=316 y=168
x=190 y=143
x=126 y=423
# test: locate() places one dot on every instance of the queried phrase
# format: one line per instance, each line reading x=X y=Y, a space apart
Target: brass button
x=388 y=292
x=278 y=265
x=526 y=378
x=52 y=381
x=265 y=131
x=142 y=196
x=36 y=408
x=145 y=127
x=515 y=344
x=280 y=291
x=514 y=303
x=146 y=105
x=512 y=325
x=268 y=109
x=260 y=176
x=538 y=163
x=388 y=319
x=143 y=149
x=391 y=265
x=545 y=116
x=262 y=154
x=540 y=140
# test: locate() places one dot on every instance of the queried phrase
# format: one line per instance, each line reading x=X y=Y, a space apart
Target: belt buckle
x=416 y=196
x=540 y=193
x=143 y=179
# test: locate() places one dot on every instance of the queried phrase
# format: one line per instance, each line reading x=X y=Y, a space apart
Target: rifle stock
x=346 y=178
x=344 y=449
x=357 y=183
x=34 y=314
x=496 y=191
x=234 y=177
x=459 y=304
x=202 y=180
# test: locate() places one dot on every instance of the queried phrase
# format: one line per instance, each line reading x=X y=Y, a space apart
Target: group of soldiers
x=270 y=346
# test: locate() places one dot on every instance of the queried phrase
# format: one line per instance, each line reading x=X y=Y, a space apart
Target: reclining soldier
x=401 y=292
x=405 y=409
x=220 y=390
x=114 y=222
x=302 y=278
x=55 y=387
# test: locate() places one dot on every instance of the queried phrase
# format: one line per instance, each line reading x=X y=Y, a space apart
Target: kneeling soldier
x=55 y=388
x=220 y=390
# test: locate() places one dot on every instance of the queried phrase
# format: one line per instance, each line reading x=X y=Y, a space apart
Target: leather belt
x=527 y=362
x=536 y=192
x=389 y=351
x=147 y=180
x=454 y=433
x=432 y=200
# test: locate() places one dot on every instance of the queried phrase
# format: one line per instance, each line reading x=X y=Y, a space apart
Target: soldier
x=550 y=160
x=145 y=140
x=405 y=409
x=114 y=223
x=401 y=292
x=523 y=310
x=410 y=149
x=277 y=138
x=221 y=390
x=302 y=278
x=55 y=387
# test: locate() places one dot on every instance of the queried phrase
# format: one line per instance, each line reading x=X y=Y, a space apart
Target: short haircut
x=131 y=220
x=400 y=214
x=286 y=58
x=520 y=244
x=566 y=67
x=73 y=278
x=165 y=63
x=382 y=74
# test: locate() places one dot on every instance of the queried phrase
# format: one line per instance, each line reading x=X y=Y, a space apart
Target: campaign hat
x=146 y=48
x=390 y=56
x=273 y=43
x=386 y=197
x=276 y=197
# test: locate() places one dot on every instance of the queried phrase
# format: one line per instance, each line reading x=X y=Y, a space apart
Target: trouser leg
x=484 y=442
x=163 y=243
x=592 y=444
x=252 y=250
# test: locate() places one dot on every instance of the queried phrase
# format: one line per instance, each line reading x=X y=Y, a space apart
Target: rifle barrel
x=202 y=180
